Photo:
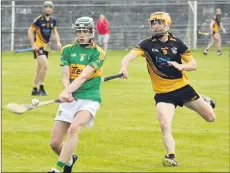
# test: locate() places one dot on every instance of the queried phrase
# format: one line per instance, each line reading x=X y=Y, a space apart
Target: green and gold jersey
x=77 y=58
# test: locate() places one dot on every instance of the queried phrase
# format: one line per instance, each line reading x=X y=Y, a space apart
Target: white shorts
x=67 y=111
x=103 y=39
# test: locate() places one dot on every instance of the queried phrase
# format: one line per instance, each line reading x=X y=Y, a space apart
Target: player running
x=215 y=27
x=82 y=74
x=164 y=54
x=39 y=36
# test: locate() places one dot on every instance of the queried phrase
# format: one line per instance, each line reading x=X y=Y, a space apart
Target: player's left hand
x=59 y=45
x=176 y=65
x=71 y=98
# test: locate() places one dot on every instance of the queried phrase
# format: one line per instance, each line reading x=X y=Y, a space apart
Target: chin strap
x=84 y=45
x=47 y=15
x=159 y=35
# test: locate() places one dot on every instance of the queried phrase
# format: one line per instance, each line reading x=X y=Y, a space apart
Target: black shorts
x=40 y=52
x=178 y=97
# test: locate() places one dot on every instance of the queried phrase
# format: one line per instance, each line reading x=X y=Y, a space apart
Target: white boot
x=53 y=170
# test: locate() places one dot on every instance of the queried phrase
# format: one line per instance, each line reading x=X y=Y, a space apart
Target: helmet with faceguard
x=163 y=19
x=48 y=4
x=84 y=24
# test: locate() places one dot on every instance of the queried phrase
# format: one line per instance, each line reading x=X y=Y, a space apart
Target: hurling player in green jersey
x=81 y=64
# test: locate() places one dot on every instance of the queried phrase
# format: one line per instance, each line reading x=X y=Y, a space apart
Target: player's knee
x=44 y=67
x=210 y=115
x=164 y=126
x=55 y=144
x=74 y=129
x=211 y=118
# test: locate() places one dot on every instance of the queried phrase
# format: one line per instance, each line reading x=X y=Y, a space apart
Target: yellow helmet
x=164 y=19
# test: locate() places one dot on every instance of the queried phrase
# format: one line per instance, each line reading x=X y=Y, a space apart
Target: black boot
x=35 y=92
x=68 y=169
x=42 y=91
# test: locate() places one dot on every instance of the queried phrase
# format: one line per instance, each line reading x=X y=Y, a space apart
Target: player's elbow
x=194 y=66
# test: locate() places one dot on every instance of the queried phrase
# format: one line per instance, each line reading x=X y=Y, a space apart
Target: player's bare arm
x=85 y=74
x=211 y=27
x=65 y=81
x=222 y=28
x=65 y=76
x=31 y=39
x=57 y=38
x=188 y=66
x=125 y=62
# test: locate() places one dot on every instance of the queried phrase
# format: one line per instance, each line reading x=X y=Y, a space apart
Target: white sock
x=70 y=162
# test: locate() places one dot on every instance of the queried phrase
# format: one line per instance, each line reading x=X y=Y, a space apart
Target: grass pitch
x=126 y=136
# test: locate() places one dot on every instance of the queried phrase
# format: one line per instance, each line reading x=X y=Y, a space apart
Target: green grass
x=126 y=136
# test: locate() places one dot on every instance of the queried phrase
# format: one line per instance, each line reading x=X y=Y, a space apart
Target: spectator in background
x=102 y=27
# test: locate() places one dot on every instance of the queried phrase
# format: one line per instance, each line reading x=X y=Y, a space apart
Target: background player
x=39 y=35
x=164 y=54
x=215 y=26
x=82 y=65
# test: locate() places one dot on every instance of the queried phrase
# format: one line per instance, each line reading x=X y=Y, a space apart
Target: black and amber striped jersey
x=165 y=78
x=43 y=29
x=216 y=25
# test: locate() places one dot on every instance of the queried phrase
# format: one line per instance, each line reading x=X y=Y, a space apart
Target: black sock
x=171 y=156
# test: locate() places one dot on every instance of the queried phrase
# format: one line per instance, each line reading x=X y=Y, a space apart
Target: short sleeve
x=139 y=49
x=184 y=52
x=64 y=57
x=97 y=59
x=54 y=25
x=35 y=24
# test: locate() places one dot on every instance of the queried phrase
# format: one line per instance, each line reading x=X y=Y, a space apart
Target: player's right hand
x=35 y=47
x=125 y=73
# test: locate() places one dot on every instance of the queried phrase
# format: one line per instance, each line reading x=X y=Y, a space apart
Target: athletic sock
x=70 y=162
x=60 y=165
x=172 y=155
